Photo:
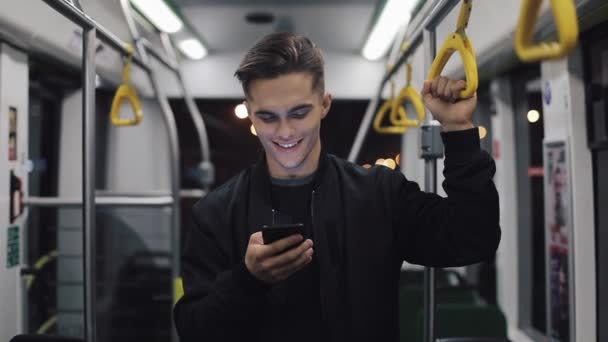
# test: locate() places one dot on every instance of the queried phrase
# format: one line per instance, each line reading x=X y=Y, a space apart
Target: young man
x=339 y=281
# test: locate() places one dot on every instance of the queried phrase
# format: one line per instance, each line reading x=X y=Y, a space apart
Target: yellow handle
x=179 y=290
x=40 y=264
x=407 y=93
x=566 y=23
x=458 y=41
x=388 y=107
x=126 y=92
x=463 y=15
x=411 y=94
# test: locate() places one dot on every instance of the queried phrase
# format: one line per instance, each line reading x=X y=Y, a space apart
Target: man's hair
x=279 y=54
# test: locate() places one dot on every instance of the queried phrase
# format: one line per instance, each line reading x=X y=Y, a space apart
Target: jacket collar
x=261 y=176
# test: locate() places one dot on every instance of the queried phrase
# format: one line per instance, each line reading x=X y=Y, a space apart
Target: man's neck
x=309 y=166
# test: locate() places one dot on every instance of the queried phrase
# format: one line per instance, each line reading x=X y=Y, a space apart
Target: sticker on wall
x=12 y=133
x=547 y=93
x=558 y=241
x=12 y=247
x=16 y=200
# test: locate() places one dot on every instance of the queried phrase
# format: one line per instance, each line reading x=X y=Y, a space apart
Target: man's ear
x=327 y=98
x=248 y=107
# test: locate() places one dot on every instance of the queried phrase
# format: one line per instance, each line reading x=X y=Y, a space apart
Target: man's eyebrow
x=298 y=107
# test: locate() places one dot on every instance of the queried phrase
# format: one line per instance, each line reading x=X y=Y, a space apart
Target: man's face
x=286 y=112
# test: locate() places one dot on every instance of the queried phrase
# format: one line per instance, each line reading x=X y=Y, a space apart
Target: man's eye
x=267 y=118
x=300 y=113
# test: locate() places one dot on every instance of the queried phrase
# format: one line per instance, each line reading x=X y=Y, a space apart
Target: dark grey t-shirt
x=291 y=200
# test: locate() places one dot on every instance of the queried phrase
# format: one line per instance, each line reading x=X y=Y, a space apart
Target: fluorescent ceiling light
x=159 y=14
x=394 y=14
x=192 y=48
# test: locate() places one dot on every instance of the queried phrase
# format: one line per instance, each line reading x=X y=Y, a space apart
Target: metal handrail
x=92 y=31
x=430 y=18
x=107 y=201
x=103 y=34
x=167 y=60
x=205 y=166
x=143 y=49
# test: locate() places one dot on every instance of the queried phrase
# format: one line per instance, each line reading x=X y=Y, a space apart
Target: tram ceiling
x=339 y=26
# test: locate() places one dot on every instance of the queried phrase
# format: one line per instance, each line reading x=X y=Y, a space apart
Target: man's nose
x=285 y=131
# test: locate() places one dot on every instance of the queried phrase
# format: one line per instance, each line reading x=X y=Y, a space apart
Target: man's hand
x=442 y=97
x=272 y=263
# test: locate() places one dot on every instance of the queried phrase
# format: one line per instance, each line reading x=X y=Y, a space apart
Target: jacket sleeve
x=220 y=294
x=458 y=230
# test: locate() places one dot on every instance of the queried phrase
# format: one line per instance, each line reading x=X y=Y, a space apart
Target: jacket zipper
x=312 y=207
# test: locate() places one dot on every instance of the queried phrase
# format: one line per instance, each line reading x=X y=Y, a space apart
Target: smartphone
x=276 y=232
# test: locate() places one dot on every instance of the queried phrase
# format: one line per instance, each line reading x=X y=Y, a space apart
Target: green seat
x=411 y=302
x=459 y=320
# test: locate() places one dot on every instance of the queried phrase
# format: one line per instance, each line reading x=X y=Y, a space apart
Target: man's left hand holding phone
x=276 y=260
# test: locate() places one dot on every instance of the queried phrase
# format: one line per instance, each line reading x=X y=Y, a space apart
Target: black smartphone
x=276 y=232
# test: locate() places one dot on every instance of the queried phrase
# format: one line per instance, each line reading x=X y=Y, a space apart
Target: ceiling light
x=192 y=48
x=241 y=111
x=159 y=14
x=533 y=116
x=394 y=14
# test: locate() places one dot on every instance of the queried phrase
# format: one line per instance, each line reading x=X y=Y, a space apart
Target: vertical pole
x=430 y=185
x=208 y=173
x=88 y=181
x=172 y=133
x=365 y=124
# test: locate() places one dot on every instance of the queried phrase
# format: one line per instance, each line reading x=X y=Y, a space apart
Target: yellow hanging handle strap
x=178 y=289
x=126 y=92
x=458 y=41
x=566 y=23
x=386 y=108
x=407 y=93
x=39 y=265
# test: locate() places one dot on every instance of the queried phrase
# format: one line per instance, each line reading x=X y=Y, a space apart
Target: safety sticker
x=12 y=247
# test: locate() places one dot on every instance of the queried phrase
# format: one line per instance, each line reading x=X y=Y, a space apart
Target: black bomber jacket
x=366 y=222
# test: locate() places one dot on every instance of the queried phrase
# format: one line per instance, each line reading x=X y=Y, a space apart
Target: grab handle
x=458 y=41
x=566 y=22
x=126 y=92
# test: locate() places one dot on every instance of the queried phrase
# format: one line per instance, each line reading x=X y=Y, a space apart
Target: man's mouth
x=288 y=146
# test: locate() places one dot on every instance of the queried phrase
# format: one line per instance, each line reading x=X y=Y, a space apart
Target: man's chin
x=290 y=165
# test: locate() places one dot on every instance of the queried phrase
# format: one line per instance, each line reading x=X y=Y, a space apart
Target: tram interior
x=70 y=165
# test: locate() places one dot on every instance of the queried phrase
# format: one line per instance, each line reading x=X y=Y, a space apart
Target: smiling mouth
x=289 y=146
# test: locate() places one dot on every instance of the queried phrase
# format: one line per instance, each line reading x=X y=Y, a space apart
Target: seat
x=480 y=323
x=472 y=339
x=411 y=303
x=45 y=338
